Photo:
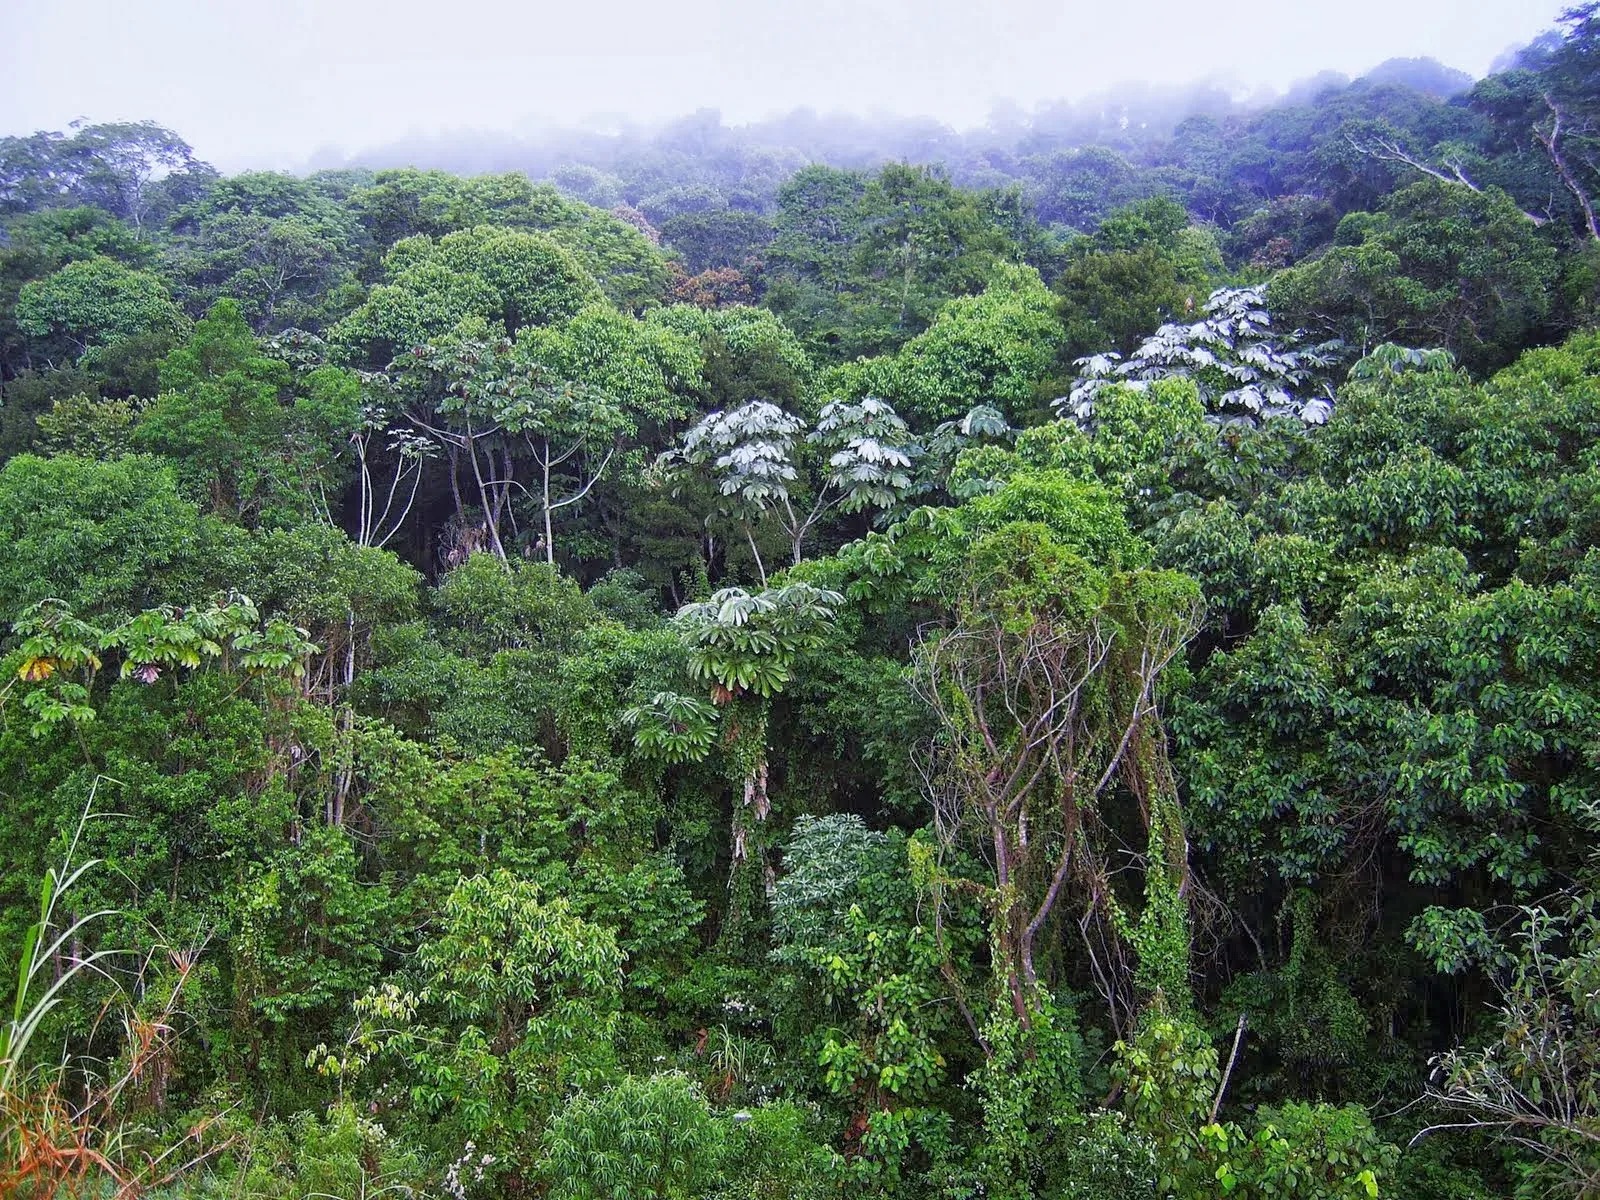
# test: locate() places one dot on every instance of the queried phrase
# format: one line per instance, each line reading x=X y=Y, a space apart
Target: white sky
x=268 y=83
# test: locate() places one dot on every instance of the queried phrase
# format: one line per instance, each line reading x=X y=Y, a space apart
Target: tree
x=925 y=241
x=456 y=390
x=1244 y=372
x=1043 y=684
x=844 y=912
x=643 y=1136
x=718 y=287
x=651 y=368
x=362 y=411
x=109 y=166
x=518 y=1005
x=42 y=242
x=560 y=423
x=860 y=264
x=744 y=645
x=1169 y=1078
x=95 y=302
x=63 y=654
x=1077 y=187
x=105 y=536
x=588 y=184
x=1142 y=268
x=994 y=348
x=481 y=398
x=1547 y=101
x=405 y=203
x=722 y=238
x=750 y=453
x=1568 y=128
x=1440 y=266
x=97 y=429
x=512 y=959
x=1111 y=299
x=505 y=277
x=817 y=221
x=1385 y=145
x=271 y=244
x=226 y=416
x=1530 y=1083
x=746 y=351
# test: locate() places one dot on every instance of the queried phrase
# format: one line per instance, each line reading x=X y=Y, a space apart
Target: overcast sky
x=271 y=82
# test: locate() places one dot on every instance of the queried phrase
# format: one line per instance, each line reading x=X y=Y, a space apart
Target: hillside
x=826 y=658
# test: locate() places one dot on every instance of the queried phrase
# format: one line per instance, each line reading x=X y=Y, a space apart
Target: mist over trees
x=826 y=658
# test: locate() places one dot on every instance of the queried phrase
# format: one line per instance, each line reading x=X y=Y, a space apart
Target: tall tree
x=92 y=303
x=1044 y=685
x=227 y=418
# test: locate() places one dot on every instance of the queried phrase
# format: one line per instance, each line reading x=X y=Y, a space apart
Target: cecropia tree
x=1246 y=373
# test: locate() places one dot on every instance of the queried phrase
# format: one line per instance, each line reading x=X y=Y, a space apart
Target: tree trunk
x=455 y=484
x=1552 y=148
x=344 y=777
x=549 y=529
x=761 y=569
x=490 y=520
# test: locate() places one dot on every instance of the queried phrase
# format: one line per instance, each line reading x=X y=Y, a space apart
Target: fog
x=289 y=82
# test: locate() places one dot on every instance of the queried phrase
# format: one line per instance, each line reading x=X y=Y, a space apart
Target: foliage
x=229 y=422
x=1244 y=374
x=507 y=277
x=651 y=1135
x=1044 y=689
x=1530 y=1083
x=522 y=991
x=1439 y=266
x=1142 y=268
x=773 y=1152
x=751 y=446
x=994 y=348
x=280 y=249
x=1130 y=795
x=114 y=535
x=741 y=641
x=64 y=1122
x=1172 y=1086
x=865 y=262
x=92 y=303
x=751 y=454
x=673 y=728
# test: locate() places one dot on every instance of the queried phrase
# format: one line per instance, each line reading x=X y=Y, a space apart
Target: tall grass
x=63 y=1127
x=39 y=952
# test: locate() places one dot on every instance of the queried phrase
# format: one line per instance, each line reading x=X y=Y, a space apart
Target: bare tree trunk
x=455 y=484
x=760 y=566
x=490 y=519
x=549 y=529
x=1552 y=147
x=344 y=778
x=1389 y=150
x=503 y=497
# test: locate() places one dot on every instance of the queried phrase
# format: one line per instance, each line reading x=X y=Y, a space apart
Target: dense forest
x=822 y=659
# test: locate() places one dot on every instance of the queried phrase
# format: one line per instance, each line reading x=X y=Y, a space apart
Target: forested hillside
x=815 y=660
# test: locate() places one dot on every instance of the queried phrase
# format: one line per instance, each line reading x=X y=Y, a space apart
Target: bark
x=1387 y=150
x=1551 y=141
